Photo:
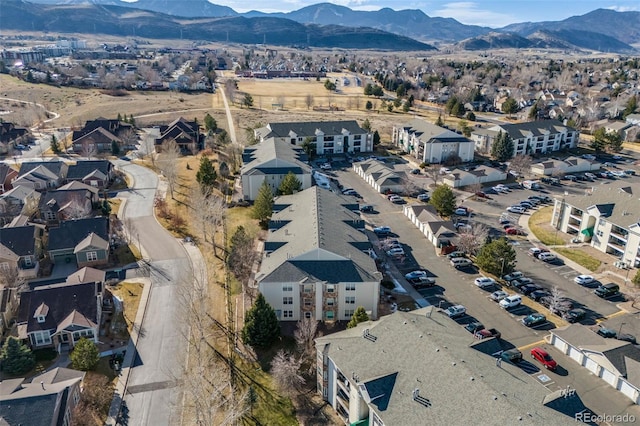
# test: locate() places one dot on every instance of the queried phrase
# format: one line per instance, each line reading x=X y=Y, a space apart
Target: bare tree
x=521 y=164
x=129 y=139
x=209 y=211
x=233 y=153
x=408 y=186
x=230 y=89
x=285 y=369
x=168 y=164
x=78 y=207
x=433 y=172
x=147 y=148
x=305 y=334
x=558 y=304
x=475 y=188
x=471 y=240
x=88 y=149
x=308 y=100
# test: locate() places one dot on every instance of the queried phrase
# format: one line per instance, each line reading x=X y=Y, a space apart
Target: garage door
x=592 y=365
x=629 y=390
x=575 y=354
x=560 y=344
x=609 y=377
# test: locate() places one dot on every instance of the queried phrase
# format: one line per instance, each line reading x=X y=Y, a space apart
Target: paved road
x=152 y=397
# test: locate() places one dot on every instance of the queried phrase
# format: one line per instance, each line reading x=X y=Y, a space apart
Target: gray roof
x=382 y=174
x=309 y=128
x=20 y=193
x=19 y=239
x=619 y=203
x=83 y=168
x=477 y=172
x=55 y=167
x=71 y=232
x=274 y=157
x=533 y=128
x=314 y=234
x=456 y=374
x=429 y=133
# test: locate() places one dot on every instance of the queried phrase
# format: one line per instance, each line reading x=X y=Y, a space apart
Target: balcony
x=618 y=235
x=616 y=245
x=344 y=397
x=576 y=217
x=572 y=229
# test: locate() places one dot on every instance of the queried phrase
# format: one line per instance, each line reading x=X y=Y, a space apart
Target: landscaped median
x=540 y=226
x=579 y=257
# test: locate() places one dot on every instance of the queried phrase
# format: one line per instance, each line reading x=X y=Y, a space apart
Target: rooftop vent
x=420 y=399
x=368 y=335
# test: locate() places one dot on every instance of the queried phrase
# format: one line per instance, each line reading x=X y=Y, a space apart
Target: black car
x=627 y=338
x=538 y=295
x=474 y=327
x=607 y=333
x=574 y=315
x=529 y=288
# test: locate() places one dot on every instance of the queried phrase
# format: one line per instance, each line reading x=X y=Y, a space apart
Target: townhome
x=316 y=261
x=7 y=175
x=59 y=315
x=604 y=217
x=83 y=241
x=329 y=137
x=52 y=172
x=420 y=367
x=271 y=161
x=59 y=205
x=535 y=137
x=39 y=178
x=186 y=134
x=381 y=177
x=438 y=231
x=479 y=175
x=429 y=143
x=20 y=200
x=12 y=135
x=98 y=135
x=568 y=165
x=20 y=251
x=96 y=173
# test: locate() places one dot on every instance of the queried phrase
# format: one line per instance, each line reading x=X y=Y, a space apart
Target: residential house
x=61 y=205
x=11 y=135
x=7 y=175
x=438 y=231
x=48 y=399
x=633 y=119
x=186 y=134
x=42 y=175
x=316 y=261
x=271 y=161
x=59 y=315
x=618 y=127
x=615 y=361
x=534 y=137
x=606 y=217
x=20 y=200
x=8 y=306
x=98 y=136
x=480 y=175
x=20 y=251
x=95 y=173
x=429 y=143
x=76 y=186
x=329 y=137
x=562 y=167
x=84 y=241
x=381 y=177
x=420 y=367
x=87 y=275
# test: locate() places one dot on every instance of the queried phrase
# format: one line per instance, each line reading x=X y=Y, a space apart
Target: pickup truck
x=486 y=333
x=422 y=282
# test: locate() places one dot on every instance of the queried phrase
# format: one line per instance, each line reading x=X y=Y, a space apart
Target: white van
x=460 y=262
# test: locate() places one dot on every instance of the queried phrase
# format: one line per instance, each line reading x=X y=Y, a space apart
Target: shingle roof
x=54 y=167
x=19 y=192
x=534 y=128
x=72 y=232
x=91 y=241
x=430 y=133
x=57 y=200
x=19 y=239
x=457 y=377
x=309 y=128
x=321 y=240
x=272 y=156
x=83 y=168
x=620 y=207
x=85 y=275
x=78 y=185
x=4 y=171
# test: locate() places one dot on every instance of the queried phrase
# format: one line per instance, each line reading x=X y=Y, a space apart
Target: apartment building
x=316 y=261
x=330 y=137
x=605 y=217
x=429 y=143
x=534 y=137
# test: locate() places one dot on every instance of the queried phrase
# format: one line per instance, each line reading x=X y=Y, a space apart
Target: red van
x=544 y=358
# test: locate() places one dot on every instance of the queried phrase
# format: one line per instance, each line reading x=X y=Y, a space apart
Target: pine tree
x=85 y=355
x=115 y=148
x=15 y=357
x=502 y=148
x=497 y=257
x=210 y=124
x=263 y=205
x=366 y=125
x=439 y=121
x=376 y=138
x=444 y=200
x=360 y=315
x=206 y=175
x=55 y=146
x=119 y=117
x=289 y=184
x=369 y=105
x=261 y=326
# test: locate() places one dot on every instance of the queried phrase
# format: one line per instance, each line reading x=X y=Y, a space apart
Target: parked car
x=583 y=279
x=497 y=296
x=415 y=274
x=534 y=319
x=325 y=166
x=486 y=333
x=526 y=204
x=415 y=171
x=396 y=199
x=590 y=157
x=538 y=295
x=591 y=176
x=607 y=332
x=456 y=254
x=571 y=178
x=544 y=358
x=512 y=355
x=516 y=209
x=396 y=251
x=514 y=231
x=484 y=282
x=460 y=262
x=574 y=315
x=422 y=282
x=366 y=208
x=607 y=290
x=511 y=301
x=21 y=146
x=481 y=194
x=423 y=197
x=461 y=211
x=535 y=251
x=627 y=338
x=474 y=327
x=382 y=230
x=513 y=276
x=455 y=311
x=547 y=257
x=529 y=288
x=520 y=282
x=629 y=172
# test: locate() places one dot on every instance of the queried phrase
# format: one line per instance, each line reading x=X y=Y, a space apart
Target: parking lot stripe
x=613 y=315
x=531 y=345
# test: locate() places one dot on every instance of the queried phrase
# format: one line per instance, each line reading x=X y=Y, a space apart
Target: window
x=307 y=302
x=287 y=287
x=287 y=314
x=41 y=319
x=602 y=222
x=350 y=300
x=49 y=215
x=308 y=288
x=350 y=287
x=328 y=138
x=27 y=261
x=287 y=300
x=599 y=233
x=293 y=141
x=330 y=288
x=348 y=313
x=357 y=137
x=94 y=183
x=88 y=333
x=330 y=301
x=329 y=315
x=307 y=314
x=92 y=255
x=42 y=337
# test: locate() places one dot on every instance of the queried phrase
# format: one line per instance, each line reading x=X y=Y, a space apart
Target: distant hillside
x=124 y=21
x=495 y=40
x=623 y=26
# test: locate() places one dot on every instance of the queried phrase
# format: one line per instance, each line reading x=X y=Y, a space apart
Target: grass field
x=539 y=223
x=580 y=257
x=130 y=294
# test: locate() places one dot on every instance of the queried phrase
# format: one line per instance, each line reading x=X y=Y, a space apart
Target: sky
x=490 y=13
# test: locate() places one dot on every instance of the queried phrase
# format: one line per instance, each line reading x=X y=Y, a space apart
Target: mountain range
x=601 y=29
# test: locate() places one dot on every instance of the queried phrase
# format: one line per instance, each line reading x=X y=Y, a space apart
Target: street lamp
x=502 y=267
x=620 y=329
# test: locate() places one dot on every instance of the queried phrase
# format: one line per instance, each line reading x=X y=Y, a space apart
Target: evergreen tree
x=263 y=205
x=210 y=124
x=630 y=108
x=614 y=142
x=368 y=89
x=497 y=257
x=309 y=147
x=206 y=175
x=132 y=120
x=240 y=259
x=376 y=138
x=119 y=117
x=85 y=355
x=369 y=106
x=289 y=184
x=502 y=148
x=444 y=200
x=451 y=103
x=115 y=148
x=599 y=140
x=457 y=110
x=261 y=327
x=471 y=116
x=406 y=107
x=15 y=357
x=106 y=208
x=509 y=106
x=55 y=146
x=439 y=121
x=248 y=100
x=360 y=315
x=224 y=171
x=366 y=125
